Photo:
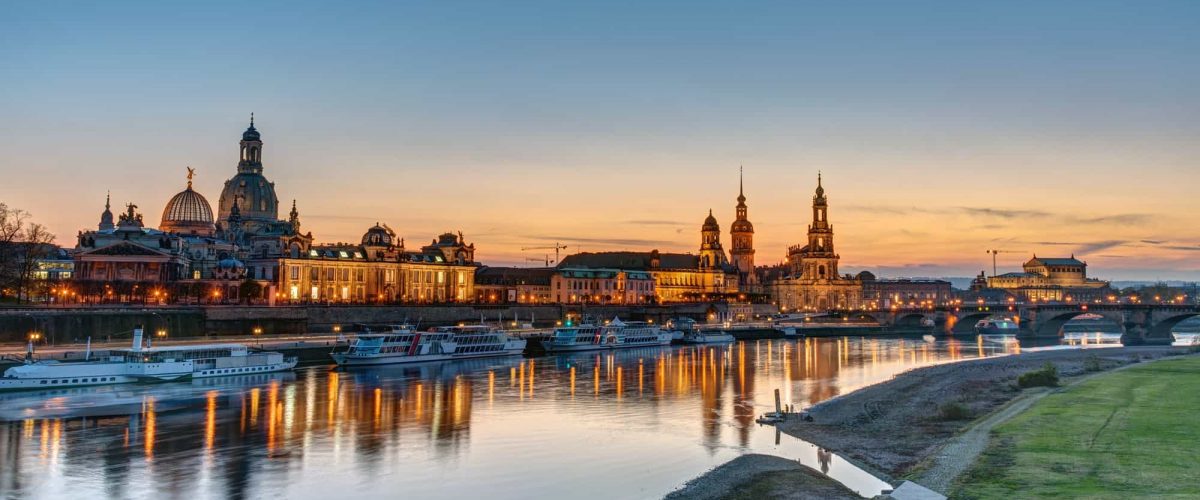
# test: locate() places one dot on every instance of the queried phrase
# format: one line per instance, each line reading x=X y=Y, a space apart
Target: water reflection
x=552 y=426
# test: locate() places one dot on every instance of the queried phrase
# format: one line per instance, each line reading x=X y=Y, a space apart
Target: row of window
x=92 y=380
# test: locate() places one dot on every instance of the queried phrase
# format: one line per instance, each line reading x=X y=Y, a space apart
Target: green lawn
x=1133 y=433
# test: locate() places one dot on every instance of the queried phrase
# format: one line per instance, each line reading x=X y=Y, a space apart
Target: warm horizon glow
x=941 y=131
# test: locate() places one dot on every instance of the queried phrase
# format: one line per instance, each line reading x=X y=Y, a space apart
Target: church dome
x=188 y=213
x=255 y=197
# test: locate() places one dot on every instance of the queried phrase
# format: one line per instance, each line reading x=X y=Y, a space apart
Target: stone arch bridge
x=1142 y=323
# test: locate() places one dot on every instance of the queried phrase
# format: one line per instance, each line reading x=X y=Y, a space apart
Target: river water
x=627 y=424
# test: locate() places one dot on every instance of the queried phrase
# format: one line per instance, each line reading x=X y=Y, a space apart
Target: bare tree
x=22 y=245
x=12 y=224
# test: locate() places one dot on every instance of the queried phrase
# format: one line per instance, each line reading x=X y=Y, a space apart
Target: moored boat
x=145 y=364
x=575 y=338
x=620 y=335
x=399 y=345
x=477 y=341
x=707 y=337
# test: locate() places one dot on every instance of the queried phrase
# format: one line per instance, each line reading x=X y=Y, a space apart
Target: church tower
x=819 y=261
x=742 y=234
x=712 y=255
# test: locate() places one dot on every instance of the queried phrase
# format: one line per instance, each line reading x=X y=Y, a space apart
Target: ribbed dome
x=188 y=212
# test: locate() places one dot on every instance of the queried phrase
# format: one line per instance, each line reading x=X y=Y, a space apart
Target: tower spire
x=251 y=119
x=107 y=201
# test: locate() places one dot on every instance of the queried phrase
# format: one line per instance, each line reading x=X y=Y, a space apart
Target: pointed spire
x=741 y=189
x=107 y=201
x=820 y=189
x=251 y=119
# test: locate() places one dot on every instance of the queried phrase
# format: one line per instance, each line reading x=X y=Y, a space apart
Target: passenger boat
x=139 y=364
x=477 y=341
x=615 y=335
x=619 y=335
x=707 y=337
x=399 y=345
x=575 y=338
x=996 y=326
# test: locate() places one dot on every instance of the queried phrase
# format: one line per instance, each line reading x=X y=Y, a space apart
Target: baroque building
x=381 y=269
x=810 y=281
x=1051 y=279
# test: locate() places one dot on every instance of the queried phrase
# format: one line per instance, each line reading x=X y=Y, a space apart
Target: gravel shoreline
x=761 y=476
x=891 y=428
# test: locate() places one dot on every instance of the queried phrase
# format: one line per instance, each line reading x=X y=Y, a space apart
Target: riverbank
x=895 y=427
x=1117 y=435
x=762 y=476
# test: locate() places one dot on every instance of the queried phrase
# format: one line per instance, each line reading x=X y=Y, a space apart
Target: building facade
x=513 y=285
x=811 y=281
x=1053 y=280
x=601 y=286
x=380 y=270
x=904 y=292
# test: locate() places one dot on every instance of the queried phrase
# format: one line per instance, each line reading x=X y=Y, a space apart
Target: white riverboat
x=707 y=337
x=399 y=345
x=615 y=335
x=142 y=364
x=478 y=341
x=575 y=338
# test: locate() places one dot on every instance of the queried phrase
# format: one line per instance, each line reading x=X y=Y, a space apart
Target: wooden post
x=778 y=409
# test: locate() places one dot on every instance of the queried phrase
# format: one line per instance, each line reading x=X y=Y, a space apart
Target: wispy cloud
x=656 y=222
x=1096 y=246
x=617 y=242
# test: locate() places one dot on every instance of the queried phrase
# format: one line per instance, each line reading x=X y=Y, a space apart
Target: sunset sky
x=942 y=129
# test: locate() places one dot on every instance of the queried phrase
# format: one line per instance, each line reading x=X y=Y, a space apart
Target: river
x=627 y=424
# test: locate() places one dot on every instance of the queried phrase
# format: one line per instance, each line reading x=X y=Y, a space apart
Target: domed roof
x=188 y=212
x=230 y=263
x=378 y=235
x=255 y=197
x=710 y=222
x=742 y=226
x=865 y=276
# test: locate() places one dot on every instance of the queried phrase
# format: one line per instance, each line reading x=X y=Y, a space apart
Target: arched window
x=821 y=271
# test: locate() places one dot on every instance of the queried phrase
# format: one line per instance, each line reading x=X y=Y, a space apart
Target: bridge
x=1142 y=324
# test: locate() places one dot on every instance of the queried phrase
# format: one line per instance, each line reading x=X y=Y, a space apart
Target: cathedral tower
x=742 y=234
x=820 y=261
x=712 y=255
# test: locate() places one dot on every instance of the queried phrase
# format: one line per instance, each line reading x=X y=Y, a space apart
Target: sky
x=941 y=129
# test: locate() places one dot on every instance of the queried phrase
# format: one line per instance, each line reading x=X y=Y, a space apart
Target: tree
x=249 y=290
x=22 y=245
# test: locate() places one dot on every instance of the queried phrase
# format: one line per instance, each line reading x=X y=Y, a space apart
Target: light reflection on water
x=627 y=424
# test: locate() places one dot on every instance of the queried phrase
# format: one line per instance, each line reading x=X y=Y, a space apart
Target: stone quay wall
x=64 y=325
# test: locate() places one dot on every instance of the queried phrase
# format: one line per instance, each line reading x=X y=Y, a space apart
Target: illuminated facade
x=811 y=281
x=1051 y=279
x=513 y=285
x=602 y=286
x=741 y=252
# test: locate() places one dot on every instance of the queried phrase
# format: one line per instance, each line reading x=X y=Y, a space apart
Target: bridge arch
x=1162 y=328
x=909 y=320
x=1052 y=327
x=964 y=323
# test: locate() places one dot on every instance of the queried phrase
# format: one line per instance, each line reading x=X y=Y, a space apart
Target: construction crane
x=556 y=248
x=994 y=252
x=546 y=260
